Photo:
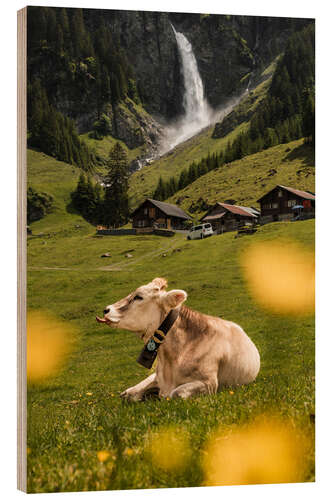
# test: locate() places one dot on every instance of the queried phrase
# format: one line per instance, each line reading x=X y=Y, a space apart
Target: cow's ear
x=175 y=298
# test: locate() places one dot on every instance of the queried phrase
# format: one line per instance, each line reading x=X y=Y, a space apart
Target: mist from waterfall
x=197 y=112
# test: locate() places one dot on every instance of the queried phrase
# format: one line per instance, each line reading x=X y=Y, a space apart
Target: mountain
x=125 y=64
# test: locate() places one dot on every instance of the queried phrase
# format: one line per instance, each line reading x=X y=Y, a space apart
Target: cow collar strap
x=149 y=352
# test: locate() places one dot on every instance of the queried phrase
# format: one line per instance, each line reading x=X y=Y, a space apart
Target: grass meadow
x=81 y=435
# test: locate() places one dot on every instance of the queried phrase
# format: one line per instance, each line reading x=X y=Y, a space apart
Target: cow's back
x=240 y=359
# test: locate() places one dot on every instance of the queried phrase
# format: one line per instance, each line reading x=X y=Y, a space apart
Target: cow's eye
x=137 y=297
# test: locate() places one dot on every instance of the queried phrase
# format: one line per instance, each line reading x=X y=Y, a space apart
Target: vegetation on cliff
x=72 y=71
x=285 y=114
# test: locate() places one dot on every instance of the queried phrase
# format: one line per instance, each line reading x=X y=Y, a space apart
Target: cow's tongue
x=100 y=320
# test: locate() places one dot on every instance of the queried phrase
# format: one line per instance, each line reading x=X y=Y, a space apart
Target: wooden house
x=285 y=203
x=225 y=217
x=158 y=214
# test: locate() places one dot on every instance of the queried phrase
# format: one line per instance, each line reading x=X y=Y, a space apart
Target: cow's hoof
x=130 y=396
x=179 y=393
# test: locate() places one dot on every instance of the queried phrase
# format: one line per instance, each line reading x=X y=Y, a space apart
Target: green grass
x=59 y=179
x=248 y=179
x=67 y=427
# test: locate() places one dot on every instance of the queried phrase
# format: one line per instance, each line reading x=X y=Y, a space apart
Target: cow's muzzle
x=107 y=321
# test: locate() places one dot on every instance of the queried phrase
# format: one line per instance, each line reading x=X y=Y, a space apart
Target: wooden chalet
x=285 y=203
x=225 y=217
x=158 y=214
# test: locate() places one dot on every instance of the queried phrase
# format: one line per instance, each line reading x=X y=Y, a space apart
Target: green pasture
x=79 y=412
x=246 y=180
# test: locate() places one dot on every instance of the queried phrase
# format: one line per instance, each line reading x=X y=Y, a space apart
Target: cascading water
x=198 y=113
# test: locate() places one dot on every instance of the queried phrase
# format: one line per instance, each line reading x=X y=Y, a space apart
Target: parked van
x=201 y=231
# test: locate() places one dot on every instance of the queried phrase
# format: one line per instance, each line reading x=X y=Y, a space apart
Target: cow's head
x=143 y=310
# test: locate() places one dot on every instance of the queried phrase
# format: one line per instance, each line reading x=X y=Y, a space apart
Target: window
x=145 y=211
x=280 y=194
x=291 y=203
x=207 y=225
x=275 y=205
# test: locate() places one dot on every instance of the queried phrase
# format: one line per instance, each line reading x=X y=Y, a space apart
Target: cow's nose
x=106 y=311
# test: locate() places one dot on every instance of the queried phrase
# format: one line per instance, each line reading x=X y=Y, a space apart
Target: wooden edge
x=21 y=248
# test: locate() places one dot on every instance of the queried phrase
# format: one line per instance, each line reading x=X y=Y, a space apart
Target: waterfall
x=197 y=112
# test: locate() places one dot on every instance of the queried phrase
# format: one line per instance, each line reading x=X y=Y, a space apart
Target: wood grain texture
x=21 y=247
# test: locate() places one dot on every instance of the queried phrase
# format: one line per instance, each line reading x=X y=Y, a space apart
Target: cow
x=200 y=354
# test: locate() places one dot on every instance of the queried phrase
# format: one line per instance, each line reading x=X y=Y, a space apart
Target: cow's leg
x=137 y=392
x=194 y=388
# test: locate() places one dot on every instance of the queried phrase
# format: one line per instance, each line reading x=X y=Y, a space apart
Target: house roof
x=214 y=217
x=252 y=210
x=302 y=194
x=167 y=208
x=234 y=209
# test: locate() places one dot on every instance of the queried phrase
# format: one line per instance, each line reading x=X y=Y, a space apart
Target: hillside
x=45 y=174
x=247 y=179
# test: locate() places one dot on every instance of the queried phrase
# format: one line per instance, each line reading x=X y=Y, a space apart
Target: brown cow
x=200 y=353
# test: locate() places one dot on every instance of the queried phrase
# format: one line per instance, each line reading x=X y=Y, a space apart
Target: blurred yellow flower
x=49 y=341
x=128 y=452
x=231 y=392
x=281 y=276
x=103 y=455
x=89 y=393
x=267 y=451
x=169 y=448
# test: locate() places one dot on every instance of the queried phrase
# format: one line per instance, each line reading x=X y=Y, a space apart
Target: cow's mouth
x=107 y=321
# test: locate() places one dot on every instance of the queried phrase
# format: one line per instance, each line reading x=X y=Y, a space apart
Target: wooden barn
x=158 y=214
x=285 y=203
x=225 y=217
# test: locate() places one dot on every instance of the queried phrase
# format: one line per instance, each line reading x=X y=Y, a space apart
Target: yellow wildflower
x=267 y=451
x=49 y=341
x=281 y=276
x=103 y=455
x=169 y=449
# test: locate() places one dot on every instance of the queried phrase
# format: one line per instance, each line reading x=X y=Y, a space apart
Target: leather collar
x=149 y=352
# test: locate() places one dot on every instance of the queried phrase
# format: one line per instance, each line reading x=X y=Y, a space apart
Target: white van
x=201 y=231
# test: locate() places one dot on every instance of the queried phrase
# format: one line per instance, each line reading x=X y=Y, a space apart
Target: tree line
x=53 y=133
x=87 y=59
x=166 y=189
x=286 y=114
x=105 y=202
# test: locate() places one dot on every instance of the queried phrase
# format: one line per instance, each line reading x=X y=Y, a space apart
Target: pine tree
x=90 y=207
x=78 y=31
x=98 y=215
x=183 y=179
x=79 y=196
x=116 y=209
x=160 y=191
x=308 y=118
